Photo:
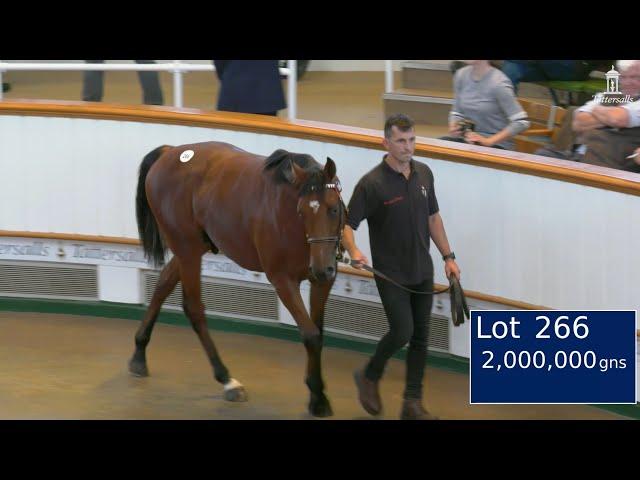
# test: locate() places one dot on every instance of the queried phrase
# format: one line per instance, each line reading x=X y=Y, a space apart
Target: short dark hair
x=399 y=120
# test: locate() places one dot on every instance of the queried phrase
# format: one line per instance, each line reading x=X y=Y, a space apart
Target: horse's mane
x=280 y=162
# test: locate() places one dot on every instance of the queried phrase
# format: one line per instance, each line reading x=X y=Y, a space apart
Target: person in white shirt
x=609 y=132
x=594 y=114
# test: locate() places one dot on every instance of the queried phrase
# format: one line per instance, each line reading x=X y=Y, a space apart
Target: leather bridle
x=337 y=239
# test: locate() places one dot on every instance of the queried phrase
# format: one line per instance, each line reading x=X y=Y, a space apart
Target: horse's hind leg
x=169 y=277
x=194 y=310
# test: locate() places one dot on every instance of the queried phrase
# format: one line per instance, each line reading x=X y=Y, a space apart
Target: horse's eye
x=333 y=211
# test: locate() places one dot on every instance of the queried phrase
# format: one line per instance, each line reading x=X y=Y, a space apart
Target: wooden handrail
x=573 y=172
x=74 y=237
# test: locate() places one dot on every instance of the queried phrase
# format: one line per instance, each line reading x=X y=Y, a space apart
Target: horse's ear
x=295 y=175
x=330 y=169
x=276 y=158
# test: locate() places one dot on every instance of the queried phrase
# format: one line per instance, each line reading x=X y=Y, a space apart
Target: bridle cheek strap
x=335 y=238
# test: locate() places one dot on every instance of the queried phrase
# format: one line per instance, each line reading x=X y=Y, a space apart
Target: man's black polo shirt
x=397 y=211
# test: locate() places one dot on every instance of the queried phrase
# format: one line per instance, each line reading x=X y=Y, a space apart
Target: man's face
x=401 y=145
x=630 y=80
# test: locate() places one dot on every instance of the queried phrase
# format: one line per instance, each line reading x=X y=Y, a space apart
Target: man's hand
x=473 y=137
x=451 y=267
x=454 y=129
x=637 y=156
x=358 y=259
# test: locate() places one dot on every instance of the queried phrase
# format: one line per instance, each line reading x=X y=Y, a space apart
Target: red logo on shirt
x=394 y=200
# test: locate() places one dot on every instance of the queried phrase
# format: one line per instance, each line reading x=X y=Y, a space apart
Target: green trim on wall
x=266 y=329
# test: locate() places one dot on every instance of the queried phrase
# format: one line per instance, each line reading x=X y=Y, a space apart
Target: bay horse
x=282 y=215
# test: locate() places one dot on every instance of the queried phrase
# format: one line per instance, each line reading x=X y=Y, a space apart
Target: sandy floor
x=73 y=367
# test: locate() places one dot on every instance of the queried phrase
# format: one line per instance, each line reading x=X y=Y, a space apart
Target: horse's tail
x=147 y=225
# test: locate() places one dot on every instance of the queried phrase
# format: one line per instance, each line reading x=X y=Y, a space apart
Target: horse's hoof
x=138 y=369
x=320 y=408
x=238 y=394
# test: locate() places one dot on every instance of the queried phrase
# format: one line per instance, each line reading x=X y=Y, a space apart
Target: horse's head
x=323 y=213
x=320 y=207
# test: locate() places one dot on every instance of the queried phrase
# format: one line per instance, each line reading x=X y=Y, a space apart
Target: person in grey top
x=485 y=96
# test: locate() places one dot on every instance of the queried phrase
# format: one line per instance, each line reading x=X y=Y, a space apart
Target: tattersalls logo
x=37 y=249
x=612 y=95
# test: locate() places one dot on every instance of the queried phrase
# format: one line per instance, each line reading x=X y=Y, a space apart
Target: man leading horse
x=398 y=199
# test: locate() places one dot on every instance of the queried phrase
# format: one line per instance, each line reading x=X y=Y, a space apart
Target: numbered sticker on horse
x=186 y=156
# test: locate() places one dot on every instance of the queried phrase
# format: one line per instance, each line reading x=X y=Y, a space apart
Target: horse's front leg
x=319 y=401
x=289 y=292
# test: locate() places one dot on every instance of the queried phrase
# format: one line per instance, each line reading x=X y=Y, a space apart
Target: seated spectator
x=610 y=133
x=545 y=70
x=250 y=86
x=6 y=87
x=484 y=96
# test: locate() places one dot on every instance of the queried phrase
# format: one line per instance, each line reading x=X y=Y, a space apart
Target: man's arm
x=474 y=137
x=438 y=234
x=616 y=117
x=439 y=237
x=600 y=116
x=348 y=241
x=583 y=121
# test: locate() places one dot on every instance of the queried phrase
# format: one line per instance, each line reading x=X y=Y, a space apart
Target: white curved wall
x=517 y=236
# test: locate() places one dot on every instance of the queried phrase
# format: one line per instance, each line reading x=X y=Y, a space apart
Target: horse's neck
x=285 y=209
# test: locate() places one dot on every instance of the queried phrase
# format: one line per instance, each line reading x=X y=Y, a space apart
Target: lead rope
x=383 y=276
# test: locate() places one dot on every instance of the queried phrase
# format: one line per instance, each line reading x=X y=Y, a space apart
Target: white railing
x=176 y=67
x=388 y=76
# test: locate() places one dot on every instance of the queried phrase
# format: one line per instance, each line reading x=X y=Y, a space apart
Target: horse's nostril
x=330 y=271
